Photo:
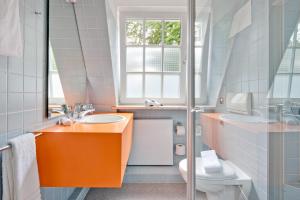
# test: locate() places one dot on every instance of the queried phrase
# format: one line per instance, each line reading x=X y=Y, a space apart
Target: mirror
x=286 y=78
x=66 y=69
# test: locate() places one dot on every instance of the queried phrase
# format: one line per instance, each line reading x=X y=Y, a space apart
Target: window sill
x=142 y=107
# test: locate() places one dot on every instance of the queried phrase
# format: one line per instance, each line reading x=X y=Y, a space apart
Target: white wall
x=22 y=84
x=247 y=68
x=246 y=148
x=246 y=71
x=67 y=52
x=83 y=55
x=93 y=31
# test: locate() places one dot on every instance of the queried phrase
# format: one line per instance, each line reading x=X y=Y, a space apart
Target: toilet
x=219 y=186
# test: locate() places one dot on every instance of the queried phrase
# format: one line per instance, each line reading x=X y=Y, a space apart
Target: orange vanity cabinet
x=85 y=155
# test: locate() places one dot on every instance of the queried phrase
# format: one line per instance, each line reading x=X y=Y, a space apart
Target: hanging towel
x=10 y=29
x=20 y=171
x=211 y=163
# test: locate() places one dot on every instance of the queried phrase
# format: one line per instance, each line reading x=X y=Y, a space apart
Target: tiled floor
x=142 y=191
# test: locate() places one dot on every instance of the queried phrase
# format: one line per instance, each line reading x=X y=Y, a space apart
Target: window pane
x=281 y=84
x=134 y=59
x=197 y=85
x=297 y=61
x=295 y=91
x=172 y=32
x=153 y=86
x=134 y=32
x=153 y=31
x=171 y=59
x=134 y=86
x=153 y=60
x=171 y=86
x=57 y=91
x=285 y=65
x=198 y=55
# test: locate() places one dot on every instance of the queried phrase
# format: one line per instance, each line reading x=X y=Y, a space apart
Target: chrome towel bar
x=9 y=146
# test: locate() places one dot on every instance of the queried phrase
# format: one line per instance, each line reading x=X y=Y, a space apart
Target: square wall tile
x=3 y=82
x=15 y=102
x=14 y=121
x=15 y=83
x=3 y=123
x=3 y=138
x=29 y=120
x=15 y=65
x=29 y=84
x=3 y=63
x=3 y=104
x=29 y=101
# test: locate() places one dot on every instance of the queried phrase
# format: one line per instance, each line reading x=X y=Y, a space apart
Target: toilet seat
x=227 y=173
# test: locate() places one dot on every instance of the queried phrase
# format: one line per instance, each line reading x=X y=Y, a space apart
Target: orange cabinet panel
x=85 y=155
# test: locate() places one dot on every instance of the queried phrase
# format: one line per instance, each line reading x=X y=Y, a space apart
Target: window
x=152 y=53
x=287 y=79
x=56 y=95
x=199 y=42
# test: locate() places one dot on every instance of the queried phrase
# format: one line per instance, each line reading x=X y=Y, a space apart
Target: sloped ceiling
x=88 y=69
x=93 y=31
x=80 y=41
x=65 y=42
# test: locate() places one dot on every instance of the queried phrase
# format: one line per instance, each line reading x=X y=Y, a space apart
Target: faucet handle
x=78 y=107
x=86 y=107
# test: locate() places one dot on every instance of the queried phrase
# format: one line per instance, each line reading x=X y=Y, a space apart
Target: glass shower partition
x=284 y=98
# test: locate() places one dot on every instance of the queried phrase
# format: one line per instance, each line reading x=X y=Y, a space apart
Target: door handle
x=198 y=109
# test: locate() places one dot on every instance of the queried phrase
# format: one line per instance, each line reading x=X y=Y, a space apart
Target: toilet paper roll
x=180 y=130
x=180 y=149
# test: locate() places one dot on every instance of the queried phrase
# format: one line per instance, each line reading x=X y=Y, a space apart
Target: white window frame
x=123 y=16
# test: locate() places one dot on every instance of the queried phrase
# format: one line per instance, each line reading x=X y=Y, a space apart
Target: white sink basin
x=102 y=119
x=245 y=118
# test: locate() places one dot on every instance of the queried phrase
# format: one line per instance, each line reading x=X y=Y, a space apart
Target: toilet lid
x=227 y=172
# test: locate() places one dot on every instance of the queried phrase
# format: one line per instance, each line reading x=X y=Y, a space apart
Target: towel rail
x=9 y=146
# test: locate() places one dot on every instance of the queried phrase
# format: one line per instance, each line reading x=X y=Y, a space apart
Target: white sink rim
x=102 y=119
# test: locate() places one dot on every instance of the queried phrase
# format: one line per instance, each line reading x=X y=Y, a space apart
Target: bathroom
x=134 y=99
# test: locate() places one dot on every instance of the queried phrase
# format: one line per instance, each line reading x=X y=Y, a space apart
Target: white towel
x=20 y=171
x=10 y=29
x=211 y=163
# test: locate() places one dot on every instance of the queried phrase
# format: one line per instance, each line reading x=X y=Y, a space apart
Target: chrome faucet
x=81 y=110
x=86 y=109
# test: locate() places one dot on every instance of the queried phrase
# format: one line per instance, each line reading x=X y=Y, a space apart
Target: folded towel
x=10 y=31
x=20 y=171
x=211 y=163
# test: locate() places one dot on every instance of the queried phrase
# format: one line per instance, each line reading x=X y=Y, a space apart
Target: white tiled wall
x=246 y=148
x=83 y=56
x=247 y=71
x=291 y=157
x=93 y=30
x=22 y=84
x=66 y=46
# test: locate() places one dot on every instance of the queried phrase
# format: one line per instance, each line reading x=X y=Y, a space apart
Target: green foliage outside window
x=153 y=32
